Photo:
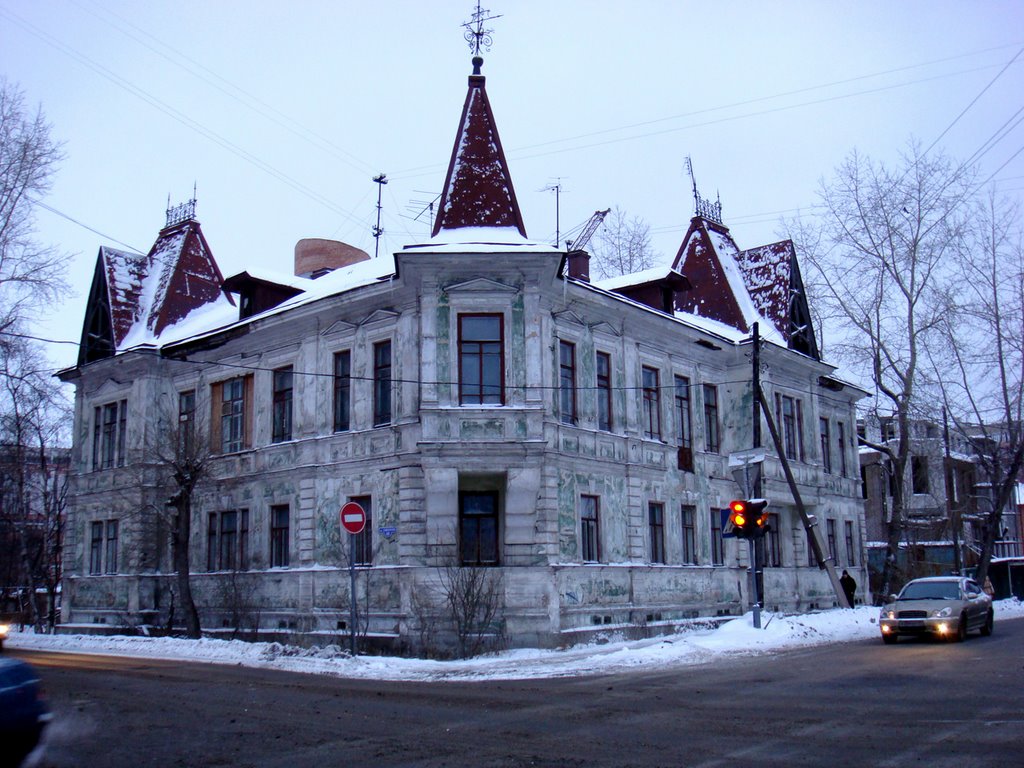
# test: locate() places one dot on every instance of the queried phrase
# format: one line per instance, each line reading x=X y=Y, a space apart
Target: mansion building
x=487 y=404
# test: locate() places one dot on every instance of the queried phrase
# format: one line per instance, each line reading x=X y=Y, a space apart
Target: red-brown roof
x=478 y=189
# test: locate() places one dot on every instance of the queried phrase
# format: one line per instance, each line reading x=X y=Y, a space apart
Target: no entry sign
x=353 y=518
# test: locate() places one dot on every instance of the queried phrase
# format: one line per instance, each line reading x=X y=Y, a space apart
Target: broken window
x=567 y=382
x=604 y=391
x=282 y=405
x=590 y=540
x=342 y=390
x=108 y=437
x=481 y=360
x=381 y=383
x=656 y=524
x=280 y=528
x=652 y=408
x=478 y=526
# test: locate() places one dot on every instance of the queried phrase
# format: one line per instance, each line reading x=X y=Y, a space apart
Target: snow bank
x=778 y=633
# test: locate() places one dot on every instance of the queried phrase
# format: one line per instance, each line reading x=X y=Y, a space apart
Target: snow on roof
x=479 y=240
x=766 y=272
x=635 y=278
x=277 y=278
x=728 y=254
x=478 y=189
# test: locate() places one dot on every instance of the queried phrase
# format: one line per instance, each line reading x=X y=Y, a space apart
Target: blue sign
x=387 y=531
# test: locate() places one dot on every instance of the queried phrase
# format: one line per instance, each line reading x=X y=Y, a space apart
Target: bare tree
x=31 y=275
x=179 y=450
x=473 y=597
x=622 y=246
x=33 y=474
x=886 y=237
x=978 y=358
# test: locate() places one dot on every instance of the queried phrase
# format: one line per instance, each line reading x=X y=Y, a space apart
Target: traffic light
x=747 y=517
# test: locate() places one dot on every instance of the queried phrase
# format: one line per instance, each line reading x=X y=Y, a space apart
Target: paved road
x=857 y=704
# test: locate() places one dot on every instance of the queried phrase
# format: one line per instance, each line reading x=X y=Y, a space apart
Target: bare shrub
x=473 y=597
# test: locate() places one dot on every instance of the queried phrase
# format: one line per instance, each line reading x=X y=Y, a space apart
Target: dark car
x=941 y=606
x=23 y=711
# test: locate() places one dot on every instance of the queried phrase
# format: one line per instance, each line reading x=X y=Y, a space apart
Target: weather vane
x=476 y=34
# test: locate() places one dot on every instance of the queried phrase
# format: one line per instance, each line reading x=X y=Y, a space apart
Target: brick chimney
x=315 y=257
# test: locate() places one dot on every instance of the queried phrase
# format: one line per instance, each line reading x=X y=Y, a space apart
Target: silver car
x=942 y=606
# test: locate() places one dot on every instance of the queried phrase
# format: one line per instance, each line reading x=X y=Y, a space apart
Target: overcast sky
x=281 y=113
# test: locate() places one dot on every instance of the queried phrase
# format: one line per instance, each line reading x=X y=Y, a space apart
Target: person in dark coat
x=849 y=587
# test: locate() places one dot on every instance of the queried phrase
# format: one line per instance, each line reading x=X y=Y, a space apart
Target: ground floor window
x=478 y=527
x=590 y=544
x=280 y=527
x=773 y=547
x=689 y=514
x=656 y=523
x=227 y=540
x=103 y=546
x=851 y=550
x=717 y=544
x=363 y=544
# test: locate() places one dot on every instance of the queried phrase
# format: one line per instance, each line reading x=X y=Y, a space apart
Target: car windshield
x=930 y=590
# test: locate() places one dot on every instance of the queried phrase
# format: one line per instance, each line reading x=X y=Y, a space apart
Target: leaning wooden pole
x=810 y=522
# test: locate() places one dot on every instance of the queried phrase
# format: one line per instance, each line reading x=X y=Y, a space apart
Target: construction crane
x=588 y=231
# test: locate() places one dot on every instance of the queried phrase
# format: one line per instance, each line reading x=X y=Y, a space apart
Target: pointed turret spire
x=478 y=189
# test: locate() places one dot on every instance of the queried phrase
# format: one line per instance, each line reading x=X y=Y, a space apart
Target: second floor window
x=342 y=390
x=826 y=445
x=684 y=427
x=841 y=440
x=282 y=405
x=711 y=440
x=567 y=382
x=919 y=474
x=381 y=383
x=789 y=419
x=186 y=423
x=232 y=416
x=481 y=360
x=604 y=391
x=110 y=423
x=652 y=410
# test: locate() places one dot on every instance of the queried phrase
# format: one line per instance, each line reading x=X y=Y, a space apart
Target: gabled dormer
x=772 y=275
x=134 y=298
x=707 y=257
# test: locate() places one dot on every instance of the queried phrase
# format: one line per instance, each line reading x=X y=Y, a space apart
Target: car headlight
x=943 y=612
x=888 y=613
x=4 y=629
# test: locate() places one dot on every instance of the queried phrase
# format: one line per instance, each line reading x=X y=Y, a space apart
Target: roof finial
x=704 y=208
x=479 y=36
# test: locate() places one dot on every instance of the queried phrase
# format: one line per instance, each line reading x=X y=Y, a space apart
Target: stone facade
x=492 y=410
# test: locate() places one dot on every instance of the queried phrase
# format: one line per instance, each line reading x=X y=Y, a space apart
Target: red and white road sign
x=353 y=518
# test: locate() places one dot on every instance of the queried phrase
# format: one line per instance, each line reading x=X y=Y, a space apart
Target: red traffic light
x=747 y=517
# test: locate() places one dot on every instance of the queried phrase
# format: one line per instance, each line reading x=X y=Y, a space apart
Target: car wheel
x=961 y=629
x=890 y=639
x=987 y=627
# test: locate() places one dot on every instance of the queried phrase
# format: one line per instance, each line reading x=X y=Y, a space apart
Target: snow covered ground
x=686 y=648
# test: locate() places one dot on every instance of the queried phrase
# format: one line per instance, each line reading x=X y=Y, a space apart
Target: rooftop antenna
x=381 y=180
x=557 y=189
x=693 y=182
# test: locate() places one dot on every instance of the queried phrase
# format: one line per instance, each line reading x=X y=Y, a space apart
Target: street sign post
x=353 y=520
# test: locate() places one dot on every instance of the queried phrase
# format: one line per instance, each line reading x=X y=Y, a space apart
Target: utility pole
x=954 y=524
x=756 y=543
x=381 y=180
